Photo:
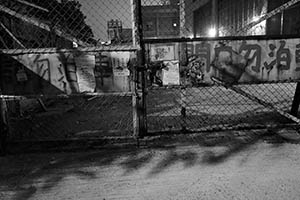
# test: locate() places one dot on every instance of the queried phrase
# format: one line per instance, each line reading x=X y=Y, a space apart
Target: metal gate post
x=3 y=125
x=183 y=52
x=141 y=70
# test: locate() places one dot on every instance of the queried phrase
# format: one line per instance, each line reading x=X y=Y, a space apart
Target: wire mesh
x=195 y=105
x=217 y=108
x=39 y=43
x=64 y=24
x=45 y=101
x=183 y=97
x=69 y=118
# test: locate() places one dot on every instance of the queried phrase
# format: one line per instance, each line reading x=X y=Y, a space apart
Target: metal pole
x=183 y=102
x=215 y=16
x=182 y=21
x=141 y=70
x=4 y=125
x=133 y=66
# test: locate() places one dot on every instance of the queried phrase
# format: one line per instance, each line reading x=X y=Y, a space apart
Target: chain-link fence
x=196 y=109
x=183 y=40
x=73 y=117
x=49 y=98
x=68 y=68
x=91 y=68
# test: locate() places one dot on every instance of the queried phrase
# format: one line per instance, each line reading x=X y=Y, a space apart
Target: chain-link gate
x=68 y=69
x=185 y=39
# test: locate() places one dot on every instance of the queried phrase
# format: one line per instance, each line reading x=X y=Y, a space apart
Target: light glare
x=255 y=19
x=212 y=32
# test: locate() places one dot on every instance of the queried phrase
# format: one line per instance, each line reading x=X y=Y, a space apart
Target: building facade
x=161 y=19
x=195 y=18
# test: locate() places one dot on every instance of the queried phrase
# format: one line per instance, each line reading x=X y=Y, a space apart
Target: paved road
x=247 y=171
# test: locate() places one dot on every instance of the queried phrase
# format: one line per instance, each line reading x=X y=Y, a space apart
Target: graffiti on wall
x=49 y=68
x=239 y=61
x=65 y=73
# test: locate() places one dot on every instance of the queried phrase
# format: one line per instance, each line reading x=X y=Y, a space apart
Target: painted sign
x=65 y=73
x=240 y=61
x=162 y=52
x=119 y=63
x=85 y=72
x=170 y=73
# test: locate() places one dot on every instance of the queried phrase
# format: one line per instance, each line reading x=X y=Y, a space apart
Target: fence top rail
x=166 y=87
x=79 y=49
x=66 y=96
x=255 y=37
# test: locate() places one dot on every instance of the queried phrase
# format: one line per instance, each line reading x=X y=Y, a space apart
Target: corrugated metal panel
x=234 y=14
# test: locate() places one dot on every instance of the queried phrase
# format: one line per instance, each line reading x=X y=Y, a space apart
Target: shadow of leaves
x=188 y=159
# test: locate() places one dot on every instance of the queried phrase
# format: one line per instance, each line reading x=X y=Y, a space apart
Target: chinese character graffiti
x=252 y=52
x=281 y=58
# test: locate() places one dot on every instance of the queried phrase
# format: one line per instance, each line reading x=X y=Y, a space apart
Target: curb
x=74 y=144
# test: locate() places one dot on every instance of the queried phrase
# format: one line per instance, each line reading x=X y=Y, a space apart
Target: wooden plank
x=11 y=35
x=32 y=5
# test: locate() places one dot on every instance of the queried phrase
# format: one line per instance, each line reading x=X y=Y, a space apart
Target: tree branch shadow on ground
x=53 y=169
x=188 y=158
x=50 y=171
x=233 y=147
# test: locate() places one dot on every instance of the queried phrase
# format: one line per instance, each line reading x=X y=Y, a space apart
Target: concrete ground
x=248 y=169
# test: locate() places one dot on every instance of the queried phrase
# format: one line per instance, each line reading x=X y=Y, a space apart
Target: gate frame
x=293 y=114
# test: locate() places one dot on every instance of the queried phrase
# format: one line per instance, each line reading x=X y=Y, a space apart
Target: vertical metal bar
x=3 y=125
x=3 y=115
x=281 y=22
x=142 y=103
x=183 y=102
x=183 y=108
x=157 y=23
x=134 y=73
x=182 y=20
x=296 y=101
x=135 y=98
x=183 y=81
x=133 y=25
x=215 y=16
x=12 y=35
